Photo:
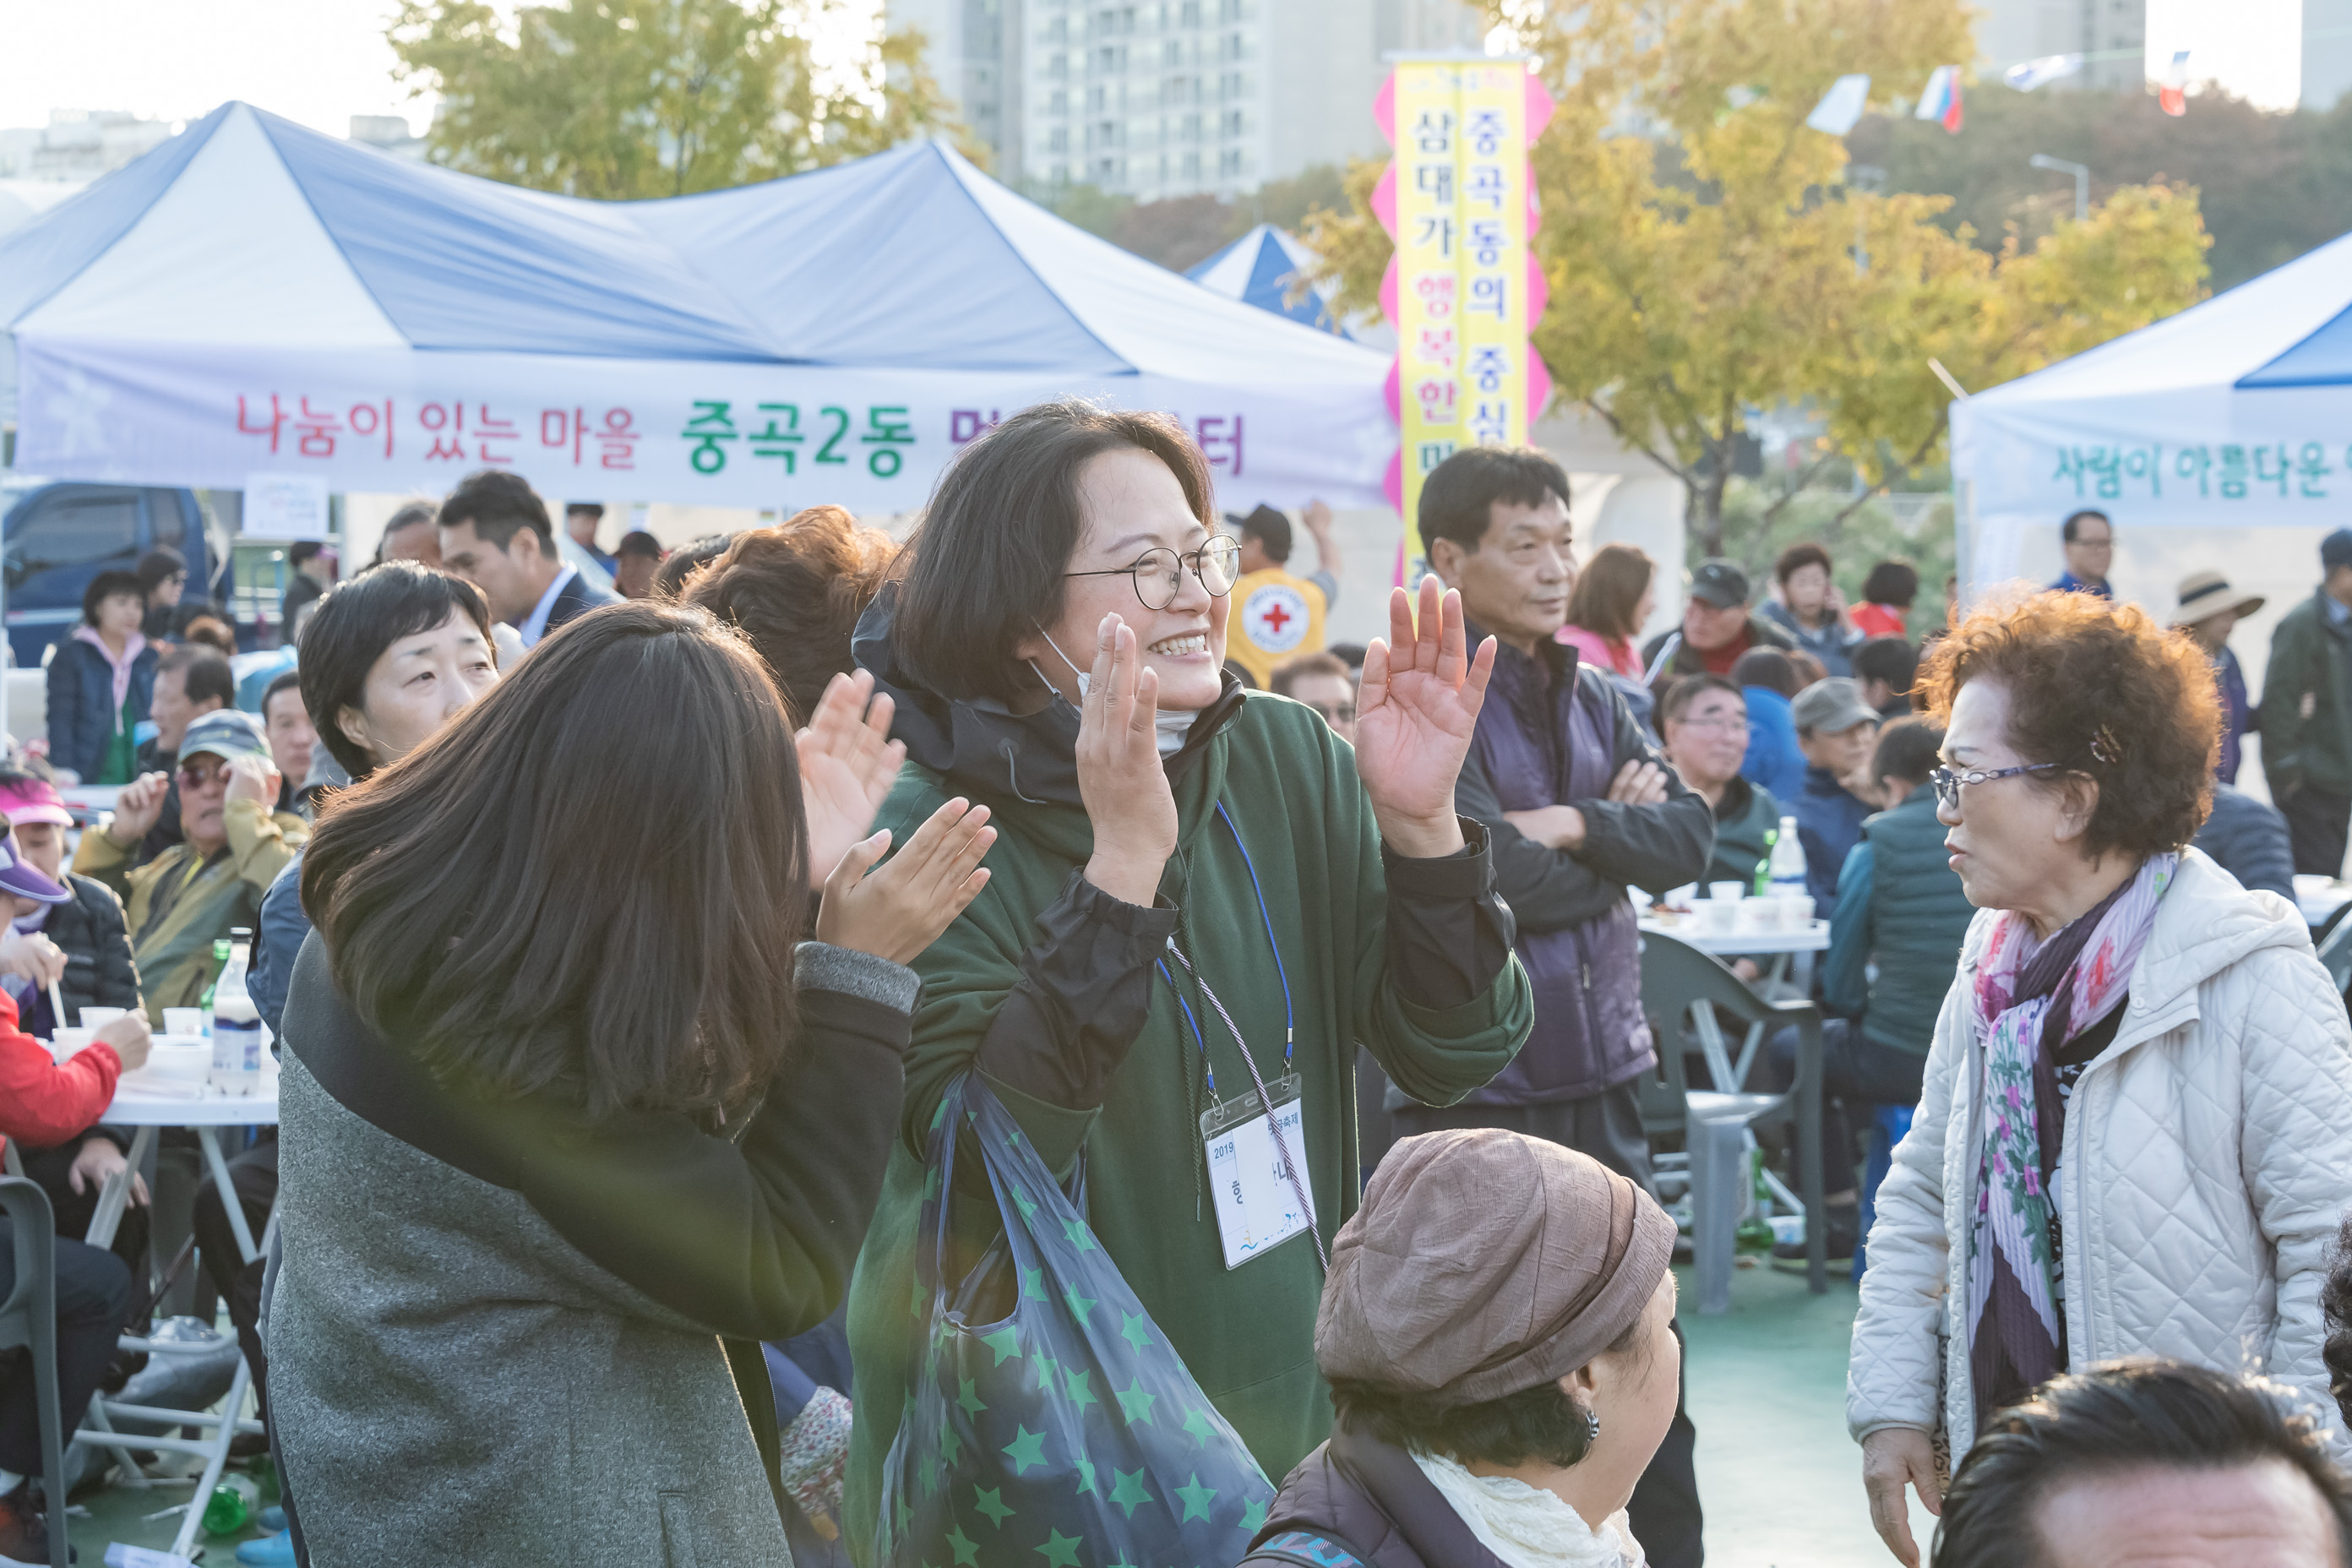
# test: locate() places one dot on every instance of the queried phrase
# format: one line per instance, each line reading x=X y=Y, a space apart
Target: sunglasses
x=193 y=778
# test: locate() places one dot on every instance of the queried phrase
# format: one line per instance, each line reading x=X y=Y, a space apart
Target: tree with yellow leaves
x=1709 y=255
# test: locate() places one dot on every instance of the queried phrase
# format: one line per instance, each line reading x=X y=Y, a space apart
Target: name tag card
x=1259 y=1206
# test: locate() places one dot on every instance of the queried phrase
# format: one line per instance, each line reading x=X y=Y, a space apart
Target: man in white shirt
x=495 y=534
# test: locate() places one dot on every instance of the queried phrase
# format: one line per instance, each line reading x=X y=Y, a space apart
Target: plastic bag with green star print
x=1067 y=1433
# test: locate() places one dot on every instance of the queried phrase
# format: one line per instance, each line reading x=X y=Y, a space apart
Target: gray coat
x=494 y=1335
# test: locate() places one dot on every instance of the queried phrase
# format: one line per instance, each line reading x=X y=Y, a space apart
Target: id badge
x=1258 y=1205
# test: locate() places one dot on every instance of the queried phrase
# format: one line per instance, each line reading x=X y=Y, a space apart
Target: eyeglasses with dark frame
x=1216 y=563
x=1949 y=783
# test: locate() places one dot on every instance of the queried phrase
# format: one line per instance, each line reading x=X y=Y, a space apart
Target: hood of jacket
x=2204 y=923
x=985 y=748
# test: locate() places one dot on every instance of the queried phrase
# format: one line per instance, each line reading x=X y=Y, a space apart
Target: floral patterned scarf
x=2031 y=999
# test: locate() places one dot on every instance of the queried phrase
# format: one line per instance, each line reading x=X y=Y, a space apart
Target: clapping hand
x=1121 y=779
x=848 y=764
x=898 y=911
x=1414 y=713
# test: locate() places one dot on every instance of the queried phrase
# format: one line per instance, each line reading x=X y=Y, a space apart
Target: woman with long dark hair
x=1178 y=852
x=567 y=1099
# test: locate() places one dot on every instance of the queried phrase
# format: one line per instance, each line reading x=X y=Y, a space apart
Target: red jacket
x=41 y=1103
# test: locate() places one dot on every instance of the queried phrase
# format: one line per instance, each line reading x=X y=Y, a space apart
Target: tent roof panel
x=1258 y=269
x=264 y=273
x=885 y=262
x=38 y=260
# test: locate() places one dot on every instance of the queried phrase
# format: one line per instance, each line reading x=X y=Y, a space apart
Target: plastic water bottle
x=236 y=1023
x=1788 y=860
x=232 y=1505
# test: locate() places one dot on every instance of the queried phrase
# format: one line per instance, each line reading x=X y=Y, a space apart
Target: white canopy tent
x=2234 y=414
x=252 y=298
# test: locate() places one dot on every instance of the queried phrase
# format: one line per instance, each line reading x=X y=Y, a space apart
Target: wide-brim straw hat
x=2204 y=595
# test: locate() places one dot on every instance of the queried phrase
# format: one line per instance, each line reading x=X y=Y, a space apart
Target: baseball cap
x=1832 y=707
x=1720 y=584
x=18 y=876
x=2335 y=550
x=33 y=800
x=226 y=734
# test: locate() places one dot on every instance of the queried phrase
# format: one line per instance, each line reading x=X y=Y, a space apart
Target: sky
x=317 y=62
x=322 y=61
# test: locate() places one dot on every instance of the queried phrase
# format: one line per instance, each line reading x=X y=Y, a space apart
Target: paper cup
x=183 y=1020
x=68 y=1042
x=100 y=1018
x=1714 y=916
x=1727 y=891
x=1796 y=910
x=180 y=1061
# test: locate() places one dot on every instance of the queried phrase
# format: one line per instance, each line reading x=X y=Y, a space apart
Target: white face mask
x=1172 y=724
x=1085 y=681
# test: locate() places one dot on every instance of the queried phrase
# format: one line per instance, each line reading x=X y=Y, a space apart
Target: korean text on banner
x=1462 y=291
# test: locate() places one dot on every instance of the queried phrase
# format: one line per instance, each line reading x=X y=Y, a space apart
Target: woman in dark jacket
x=555 y=1120
x=1499 y=1333
x=102 y=679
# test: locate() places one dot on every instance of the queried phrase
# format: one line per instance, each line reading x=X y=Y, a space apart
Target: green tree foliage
x=627 y=98
x=1700 y=241
x=2271 y=185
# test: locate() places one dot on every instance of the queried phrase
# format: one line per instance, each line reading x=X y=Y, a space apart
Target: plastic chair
x=1888 y=1126
x=2334 y=954
x=1675 y=977
x=29 y=1318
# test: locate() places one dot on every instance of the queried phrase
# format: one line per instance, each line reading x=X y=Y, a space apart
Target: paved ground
x=1780 y=1481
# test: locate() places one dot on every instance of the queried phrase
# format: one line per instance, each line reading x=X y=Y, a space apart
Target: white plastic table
x=148 y=1105
x=1791 y=969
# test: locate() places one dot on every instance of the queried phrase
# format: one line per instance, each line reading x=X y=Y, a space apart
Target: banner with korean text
x=717 y=433
x=1464 y=287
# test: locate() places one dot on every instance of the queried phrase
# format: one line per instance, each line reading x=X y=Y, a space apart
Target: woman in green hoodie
x=1172 y=851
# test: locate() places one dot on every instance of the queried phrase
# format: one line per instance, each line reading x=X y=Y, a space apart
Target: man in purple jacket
x=1577 y=805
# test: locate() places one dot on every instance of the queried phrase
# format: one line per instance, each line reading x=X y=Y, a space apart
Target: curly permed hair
x=2105 y=691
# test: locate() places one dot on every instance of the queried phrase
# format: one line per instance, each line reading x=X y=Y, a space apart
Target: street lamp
x=2081 y=181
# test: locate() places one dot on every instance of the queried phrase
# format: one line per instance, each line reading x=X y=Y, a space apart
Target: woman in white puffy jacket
x=2136 y=1132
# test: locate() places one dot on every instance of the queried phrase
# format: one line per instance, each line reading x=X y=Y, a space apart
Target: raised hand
x=1120 y=778
x=253 y=778
x=137 y=808
x=848 y=764
x=1418 y=703
x=900 y=910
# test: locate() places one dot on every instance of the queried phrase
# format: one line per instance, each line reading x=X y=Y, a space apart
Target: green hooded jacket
x=1292 y=791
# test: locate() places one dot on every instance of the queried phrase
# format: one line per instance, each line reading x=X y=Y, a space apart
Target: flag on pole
x=1939 y=101
x=2031 y=74
x=1842 y=106
x=2172 y=93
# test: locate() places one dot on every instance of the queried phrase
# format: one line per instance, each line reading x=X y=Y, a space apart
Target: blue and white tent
x=252 y=298
x=2236 y=413
x=1262 y=268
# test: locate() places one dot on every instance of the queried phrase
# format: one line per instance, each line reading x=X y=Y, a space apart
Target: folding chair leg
x=52 y=1424
x=1717 y=1194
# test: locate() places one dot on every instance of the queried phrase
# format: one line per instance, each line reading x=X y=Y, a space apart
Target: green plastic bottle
x=1755 y=1232
x=220 y=962
x=1764 y=867
x=232 y=1505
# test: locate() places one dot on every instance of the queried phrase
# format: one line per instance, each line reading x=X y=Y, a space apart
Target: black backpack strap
x=1304 y=1549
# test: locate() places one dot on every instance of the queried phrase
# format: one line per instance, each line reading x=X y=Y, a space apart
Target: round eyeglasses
x=1158 y=573
x=1949 y=783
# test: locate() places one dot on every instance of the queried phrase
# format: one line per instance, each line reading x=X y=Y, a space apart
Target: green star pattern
x=1080 y=1394
x=1028 y=1209
x=1079 y=1305
x=1130 y=1491
x=1061 y=1551
x=1197 y=1498
x=1080 y=1237
x=1045 y=1367
x=906 y=1515
x=1134 y=1332
x=1025 y=1449
x=938 y=1116
x=1032 y=1284
x=972 y=1403
x=931 y=1184
x=1253 y=1518
x=1005 y=1342
x=1086 y=1479
x=930 y=1474
x=1135 y=1406
x=966 y=1550
x=952 y=1447
x=1197 y=1424
x=992 y=1503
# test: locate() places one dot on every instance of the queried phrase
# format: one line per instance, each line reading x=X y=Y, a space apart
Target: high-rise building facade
x=2110 y=34
x=1151 y=98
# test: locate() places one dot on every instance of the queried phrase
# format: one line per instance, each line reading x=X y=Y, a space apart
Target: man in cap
x=2306 y=714
x=44 y=1104
x=635 y=560
x=1277 y=615
x=211 y=882
x=2209 y=610
x=1499 y=1307
x=1716 y=626
x=1837 y=731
